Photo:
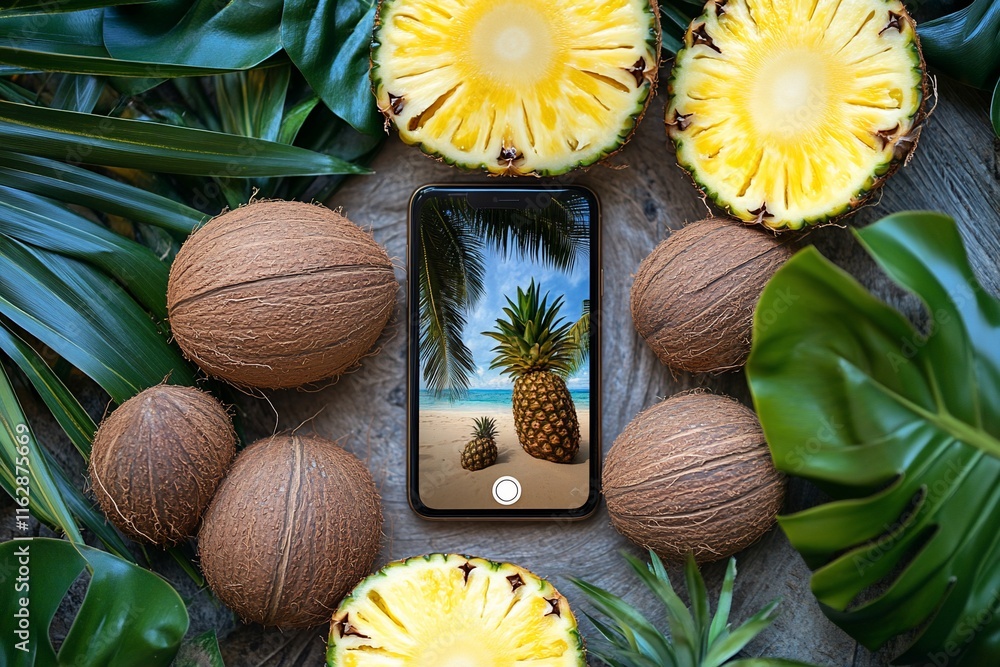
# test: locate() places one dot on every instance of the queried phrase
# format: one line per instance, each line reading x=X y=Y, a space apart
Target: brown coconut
x=157 y=460
x=694 y=295
x=693 y=474
x=294 y=525
x=279 y=294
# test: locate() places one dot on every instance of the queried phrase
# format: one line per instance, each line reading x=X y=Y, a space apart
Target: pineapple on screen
x=515 y=86
x=535 y=348
x=481 y=451
x=793 y=112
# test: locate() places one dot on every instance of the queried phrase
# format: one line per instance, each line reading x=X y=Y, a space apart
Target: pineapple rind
x=882 y=165
x=461 y=159
x=561 y=645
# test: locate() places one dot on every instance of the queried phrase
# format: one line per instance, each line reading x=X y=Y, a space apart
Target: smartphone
x=503 y=409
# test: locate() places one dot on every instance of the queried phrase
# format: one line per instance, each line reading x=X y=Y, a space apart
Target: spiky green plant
x=538 y=349
x=695 y=637
x=481 y=451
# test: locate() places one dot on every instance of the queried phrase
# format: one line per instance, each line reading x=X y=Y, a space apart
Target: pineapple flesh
x=515 y=86
x=481 y=452
x=535 y=347
x=454 y=611
x=791 y=112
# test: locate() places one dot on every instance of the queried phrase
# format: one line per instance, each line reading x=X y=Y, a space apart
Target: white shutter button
x=506 y=490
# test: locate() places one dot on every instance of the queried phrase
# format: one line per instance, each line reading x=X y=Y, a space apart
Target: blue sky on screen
x=502 y=280
x=503 y=277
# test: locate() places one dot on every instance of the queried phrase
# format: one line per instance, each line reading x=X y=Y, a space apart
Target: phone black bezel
x=525 y=194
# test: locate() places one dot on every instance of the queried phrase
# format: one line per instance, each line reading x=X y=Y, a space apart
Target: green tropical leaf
x=767 y=662
x=44 y=223
x=14 y=93
x=74 y=42
x=965 y=44
x=66 y=410
x=324 y=132
x=451 y=272
x=329 y=41
x=202 y=651
x=720 y=622
x=88 y=319
x=197 y=33
x=76 y=185
x=252 y=104
x=77 y=92
x=675 y=17
x=24 y=472
x=17 y=7
x=78 y=426
x=129 y=616
x=135 y=144
x=693 y=641
x=295 y=118
x=900 y=426
x=995 y=110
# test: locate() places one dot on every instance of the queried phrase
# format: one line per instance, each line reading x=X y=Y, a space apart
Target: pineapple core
x=510 y=44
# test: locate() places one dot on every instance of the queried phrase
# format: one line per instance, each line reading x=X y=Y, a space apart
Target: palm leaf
x=25 y=474
x=66 y=410
x=556 y=234
x=86 y=318
x=77 y=92
x=451 y=273
x=75 y=185
x=579 y=336
x=20 y=7
x=44 y=223
x=995 y=110
x=119 y=142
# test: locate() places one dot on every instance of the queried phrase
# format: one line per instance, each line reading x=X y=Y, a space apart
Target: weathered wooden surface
x=956 y=170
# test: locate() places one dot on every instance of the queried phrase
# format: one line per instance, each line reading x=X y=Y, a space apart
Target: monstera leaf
x=129 y=616
x=900 y=426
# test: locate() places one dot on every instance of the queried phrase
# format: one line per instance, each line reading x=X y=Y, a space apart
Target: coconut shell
x=294 y=525
x=279 y=294
x=694 y=295
x=157 y=460
x=693 y=474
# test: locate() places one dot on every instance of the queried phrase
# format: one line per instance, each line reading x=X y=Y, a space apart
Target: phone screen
x=503 y=303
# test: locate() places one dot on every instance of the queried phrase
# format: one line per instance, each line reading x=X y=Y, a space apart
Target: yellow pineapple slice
x=516 y=86
x=453 y=611
x=791 y=112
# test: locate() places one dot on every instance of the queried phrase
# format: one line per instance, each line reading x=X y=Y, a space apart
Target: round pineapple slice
x=791 y=112
x=453 y=611
x=516 y=86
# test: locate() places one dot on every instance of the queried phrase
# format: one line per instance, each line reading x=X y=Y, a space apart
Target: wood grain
x=956 y=170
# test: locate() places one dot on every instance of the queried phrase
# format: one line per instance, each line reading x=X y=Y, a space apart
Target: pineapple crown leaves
x=485 y=427
x=533 y=337
x=696 y=638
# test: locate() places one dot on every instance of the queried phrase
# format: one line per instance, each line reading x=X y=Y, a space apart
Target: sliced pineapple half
x=516 y=86
x=453 y=611
x=790 y=112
